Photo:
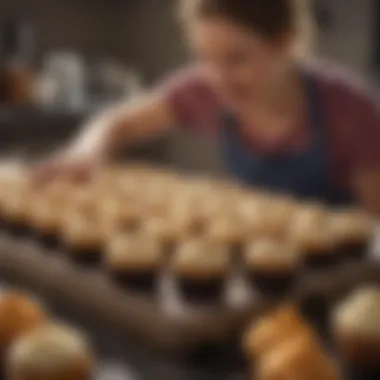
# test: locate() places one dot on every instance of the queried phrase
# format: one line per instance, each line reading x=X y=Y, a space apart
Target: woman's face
x=240 y=64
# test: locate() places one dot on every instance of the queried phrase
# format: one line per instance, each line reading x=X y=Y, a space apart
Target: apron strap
x=316 y=110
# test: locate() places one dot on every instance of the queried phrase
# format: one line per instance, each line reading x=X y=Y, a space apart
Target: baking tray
x=163 y=320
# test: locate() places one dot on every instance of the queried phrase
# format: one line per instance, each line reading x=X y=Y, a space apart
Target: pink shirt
x=351 y=113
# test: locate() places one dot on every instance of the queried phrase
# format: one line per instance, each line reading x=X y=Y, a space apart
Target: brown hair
x=267 y=17
x=270 y=18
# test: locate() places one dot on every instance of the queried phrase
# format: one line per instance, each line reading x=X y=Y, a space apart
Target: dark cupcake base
x=197 y=290
x=275 y=284
x=317 y=260
x=137 y=281
x=357 y=251
x=85 y=258
x=3 y=224
x=48 y=240
x=17 y=229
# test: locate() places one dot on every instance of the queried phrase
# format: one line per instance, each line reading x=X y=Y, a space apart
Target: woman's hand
x=75 y=167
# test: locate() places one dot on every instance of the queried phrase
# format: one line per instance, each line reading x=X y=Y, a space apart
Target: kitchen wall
x=146 y=33
x=349 y=41
x=81 y=25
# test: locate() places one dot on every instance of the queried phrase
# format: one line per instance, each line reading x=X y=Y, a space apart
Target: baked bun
x=356 y=327
x=51 y=352
x=298 y=358
x=267 y=332
x=18 y=315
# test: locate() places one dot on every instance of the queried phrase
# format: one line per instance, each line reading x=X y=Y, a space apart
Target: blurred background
x=62 y=59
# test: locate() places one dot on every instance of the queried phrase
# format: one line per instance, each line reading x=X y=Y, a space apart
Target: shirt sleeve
x=366 y=134
x=192 y=100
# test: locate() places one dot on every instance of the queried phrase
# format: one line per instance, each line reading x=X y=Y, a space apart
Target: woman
x=281 y=124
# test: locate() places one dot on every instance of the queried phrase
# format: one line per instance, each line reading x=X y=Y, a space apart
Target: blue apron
x=305 y=174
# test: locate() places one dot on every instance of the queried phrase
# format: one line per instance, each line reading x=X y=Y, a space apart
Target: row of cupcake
x=189 y=206
x=63 y=209
x=34 y=346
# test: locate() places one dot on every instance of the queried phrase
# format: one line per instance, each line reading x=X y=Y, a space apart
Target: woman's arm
x=105 y=134
x=124 y=124
x=184 y=99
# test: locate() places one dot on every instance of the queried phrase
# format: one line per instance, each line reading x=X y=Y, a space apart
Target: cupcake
x=353 y=231
x=18 y=315
x=125 y=214
x=50 y=352
x=83 y=200
x=60 y=190
x=229 y=232
x=186 y=212
x=134 y=261
x=45 y=220
x=272 y=266
x=16 y=210
x=83 y=238
x=309 y=232
x=168 y=231
x=155 y=203
x=214 y=205
x=266 y=217
x=200 y=269
x=356 y=329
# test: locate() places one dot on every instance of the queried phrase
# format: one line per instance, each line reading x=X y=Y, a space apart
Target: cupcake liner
x=201 y=290
x=48 y=240
x=85 y=257
x=272 y=283
x=18 y=229
x=321 y=261
x=355 y=251
x=143 y=280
